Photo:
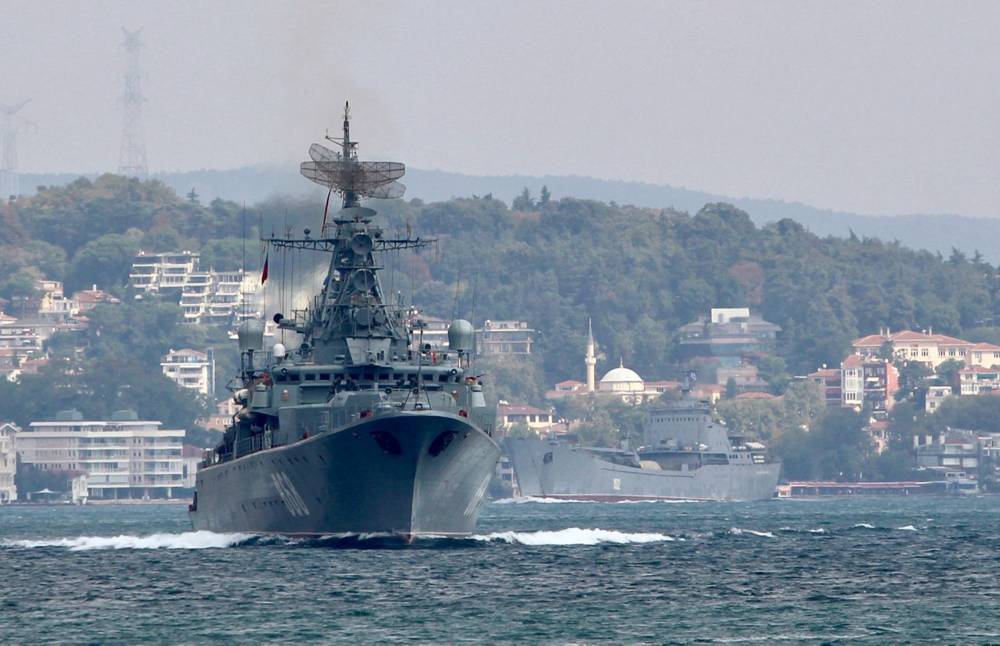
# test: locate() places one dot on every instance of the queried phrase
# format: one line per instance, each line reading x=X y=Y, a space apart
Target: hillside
x=639 y=273
x=939 y=233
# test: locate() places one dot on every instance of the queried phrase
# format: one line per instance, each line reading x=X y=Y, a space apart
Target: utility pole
x=132 y=156
x=10 y=125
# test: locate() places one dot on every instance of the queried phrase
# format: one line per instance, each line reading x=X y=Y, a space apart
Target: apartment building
x=122 y=457
x=8 y=462
x=190 y=369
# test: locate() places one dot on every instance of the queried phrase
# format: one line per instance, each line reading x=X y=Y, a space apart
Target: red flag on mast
x=263 y=274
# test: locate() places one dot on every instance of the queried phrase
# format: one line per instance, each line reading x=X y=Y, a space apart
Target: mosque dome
x=622 y=379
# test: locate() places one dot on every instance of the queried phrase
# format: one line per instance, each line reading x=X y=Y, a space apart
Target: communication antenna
x=10 y=125
x=132 y=156
x=341 y=172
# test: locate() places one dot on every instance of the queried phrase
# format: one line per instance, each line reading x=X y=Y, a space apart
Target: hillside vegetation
x=638 y=273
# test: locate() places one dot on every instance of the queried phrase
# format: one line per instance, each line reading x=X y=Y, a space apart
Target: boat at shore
x=685 y=455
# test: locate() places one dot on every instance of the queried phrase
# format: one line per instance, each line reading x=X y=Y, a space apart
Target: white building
x=504 y=338
x=935 y=396
x=190 y=369
x=123 y=457
x=156 y=272
x=626 y=383
x=8 y=462
x=219 y=297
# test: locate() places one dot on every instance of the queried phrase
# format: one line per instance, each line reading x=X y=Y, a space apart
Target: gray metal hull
x=345 y=482
x=576 y=474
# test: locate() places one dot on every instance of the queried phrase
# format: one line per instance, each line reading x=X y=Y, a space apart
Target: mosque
x=618 y=382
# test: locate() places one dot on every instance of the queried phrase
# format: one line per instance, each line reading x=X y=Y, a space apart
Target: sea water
x=877 y=570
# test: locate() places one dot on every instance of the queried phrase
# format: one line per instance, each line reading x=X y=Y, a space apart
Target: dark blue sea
x=887 y=570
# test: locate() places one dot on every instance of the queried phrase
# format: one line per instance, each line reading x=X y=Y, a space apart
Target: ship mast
x=350 y=305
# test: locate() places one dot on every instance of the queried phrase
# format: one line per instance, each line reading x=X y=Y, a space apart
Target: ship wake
x=181 y=541
x=575 y=536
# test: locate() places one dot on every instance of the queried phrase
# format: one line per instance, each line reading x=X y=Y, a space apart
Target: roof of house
x=870 y=340
x=985 y=347
x=853 y=361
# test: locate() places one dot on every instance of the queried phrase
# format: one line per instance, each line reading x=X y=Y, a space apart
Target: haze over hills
x=939 y=233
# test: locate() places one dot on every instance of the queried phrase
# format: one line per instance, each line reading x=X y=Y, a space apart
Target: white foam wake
x=737 y=531
x=864 y=525
x=543 y=501
x=183 y=541
x=908 y=528
x=574 y=536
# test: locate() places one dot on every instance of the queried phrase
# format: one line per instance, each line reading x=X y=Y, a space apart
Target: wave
x=864 y=526
x=908 y=528
x=817 y=530
x=574 y=536
x=183 y=541
x=550 y=501
x=737 y=531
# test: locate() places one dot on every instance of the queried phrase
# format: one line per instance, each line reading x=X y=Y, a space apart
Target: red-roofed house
x=925 y=347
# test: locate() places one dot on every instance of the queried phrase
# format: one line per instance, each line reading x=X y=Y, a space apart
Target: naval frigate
x=362 y=428
x=685 y=455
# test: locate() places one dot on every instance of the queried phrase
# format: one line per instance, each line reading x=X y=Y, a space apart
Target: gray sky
x=874 y=107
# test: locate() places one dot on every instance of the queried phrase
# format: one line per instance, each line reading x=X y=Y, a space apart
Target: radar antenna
x=343 y=173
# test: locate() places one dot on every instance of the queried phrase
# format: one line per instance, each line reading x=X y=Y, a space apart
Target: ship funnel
x=251 y=336
x=460 y=336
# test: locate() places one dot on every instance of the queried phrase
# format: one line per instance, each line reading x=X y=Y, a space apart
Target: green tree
x=104 y=261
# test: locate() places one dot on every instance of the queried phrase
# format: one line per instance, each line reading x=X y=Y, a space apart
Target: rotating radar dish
x=367 y=179
x=320 y=153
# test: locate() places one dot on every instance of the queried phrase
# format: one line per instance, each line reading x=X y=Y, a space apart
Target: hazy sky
x=874 y=107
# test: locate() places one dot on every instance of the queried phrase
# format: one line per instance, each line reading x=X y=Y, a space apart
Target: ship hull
x=389 y=474
x=547 y=470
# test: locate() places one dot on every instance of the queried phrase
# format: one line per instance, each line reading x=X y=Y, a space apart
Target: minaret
x=590 y=359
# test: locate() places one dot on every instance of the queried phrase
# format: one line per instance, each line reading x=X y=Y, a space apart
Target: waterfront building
x=8 y=462
x=122 y=457
x=193 y=457
x=190 y=369
x=504 y=338
x=956 y=453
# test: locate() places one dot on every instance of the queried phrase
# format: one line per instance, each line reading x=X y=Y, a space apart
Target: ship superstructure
x=362 y=428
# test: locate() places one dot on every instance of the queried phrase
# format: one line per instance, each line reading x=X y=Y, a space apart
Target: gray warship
x=361 y=429
x=685 y=455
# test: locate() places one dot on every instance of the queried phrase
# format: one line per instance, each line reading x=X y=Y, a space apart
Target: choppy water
x=875 y=570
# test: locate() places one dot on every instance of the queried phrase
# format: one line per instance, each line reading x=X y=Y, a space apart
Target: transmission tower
x=132 y=157
x=10 y=125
